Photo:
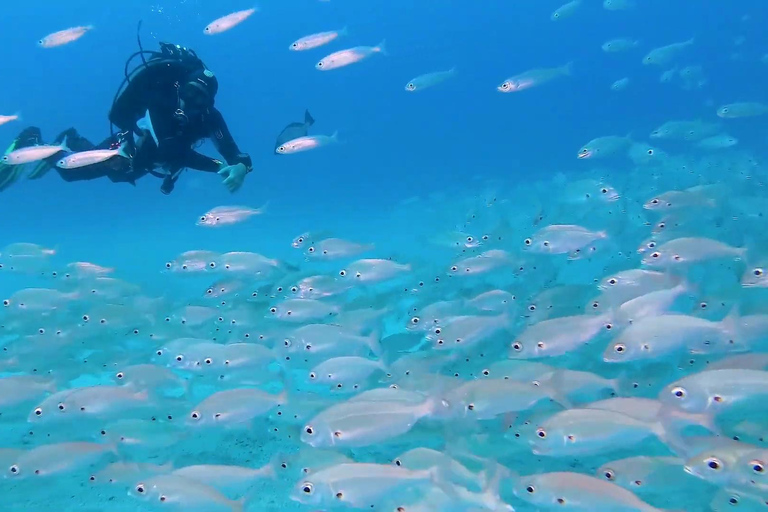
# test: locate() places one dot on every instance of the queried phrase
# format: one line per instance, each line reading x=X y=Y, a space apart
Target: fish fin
x=239 y=505
x=145 y=123
x=64 y=146
x=381 y=47
x=123 y=150
x=308 y=119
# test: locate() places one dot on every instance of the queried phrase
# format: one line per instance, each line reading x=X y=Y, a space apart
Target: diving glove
x=234 y=175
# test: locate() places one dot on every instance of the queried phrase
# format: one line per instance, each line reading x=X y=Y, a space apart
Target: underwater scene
x=389 y=255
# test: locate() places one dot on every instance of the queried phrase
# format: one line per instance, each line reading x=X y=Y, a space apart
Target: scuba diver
x=163 y=109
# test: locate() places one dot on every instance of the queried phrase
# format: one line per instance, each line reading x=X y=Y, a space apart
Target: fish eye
x=454 y=268
x=713 y=463
x=517 y=346
x=41 y=331
x=342 y=273
x=311 y=249
x=656 y=255
x=609 y=326
x=438 y=330
x=140 y=489
x=295 y=45
x=167 y=319
x=119 y=375
x=195 y=415
x=541 y=433
x=168 y=264
x=287 y=343
x=320 y=64
x=540 y=344
x=612 y=281
x=184 y=267
x=528 y=241
x=757 y=272
x=209 y=291
x=6 y=303
x=619 y=348
x=273 y=310
x=703 y=305
x=202 y=218
x=609 y=475
x=679 y=392
x=179 y=358
x=38 y=412
x=604 y=190
x=532 y=308
x=61 y=407
x=294 y=289
x=595 y=305
x=309 y=430
x=358 y=275
x=208 y=360
x=654 y=201
x=307 y=488
x=398 y=462
x=411 y=86
x=86 y=318
x=312 y=375
x=162 y=497
x=415 y=320
x=757 y=466
x=212 y=264
x=531 y=489
x=14 y=469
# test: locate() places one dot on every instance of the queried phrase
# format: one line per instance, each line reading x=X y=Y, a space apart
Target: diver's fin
x=145 y=123
x=308 y=119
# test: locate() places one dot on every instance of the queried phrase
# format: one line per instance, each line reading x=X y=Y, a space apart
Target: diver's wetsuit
x=156 y=87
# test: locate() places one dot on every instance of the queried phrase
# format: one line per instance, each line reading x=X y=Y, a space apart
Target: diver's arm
x=224 y=142
x=200 y=162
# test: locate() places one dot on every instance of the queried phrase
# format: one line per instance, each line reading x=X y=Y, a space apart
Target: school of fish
x=597 y=344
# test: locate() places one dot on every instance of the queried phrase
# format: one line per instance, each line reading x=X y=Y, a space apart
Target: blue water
x=452 y=140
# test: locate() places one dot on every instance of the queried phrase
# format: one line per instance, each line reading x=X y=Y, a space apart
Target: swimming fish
x=349 y=56
x=63 y=37
x=294 y=131
x=316 y=40
x=227 y=22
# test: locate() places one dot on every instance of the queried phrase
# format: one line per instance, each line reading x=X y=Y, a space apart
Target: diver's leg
x=9 y=174
x=75 y=142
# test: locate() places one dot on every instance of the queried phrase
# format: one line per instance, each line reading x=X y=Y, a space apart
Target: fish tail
x=64 y=146
x=308 y=119
x=381 y=47
x=344 y=31
x=239 y=505
x=567 y=69
x=335 y=136
x=453 y=70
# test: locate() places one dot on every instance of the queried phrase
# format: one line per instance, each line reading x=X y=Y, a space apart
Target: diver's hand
x=234 y=175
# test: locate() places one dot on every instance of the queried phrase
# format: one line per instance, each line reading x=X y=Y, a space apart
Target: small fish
x=227 y=22
x=227 y=215
x=565 y=10
x=619 y=45
x=184 y=494
x=745 y=109
x=294 y=131
x=603 y=146
x=716 y=142
x=307 y=143
x=63 y=37
x=8 y=119
x=533 y=78
x=86 y=158
x=315 y=40
x=34 y=153
x=334 y=248
x=620 y=84
x=428 y=80
x=349 y=56
x=618 y=5
x=664 y=55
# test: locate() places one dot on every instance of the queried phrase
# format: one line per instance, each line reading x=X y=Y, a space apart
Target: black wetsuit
x=155 y=87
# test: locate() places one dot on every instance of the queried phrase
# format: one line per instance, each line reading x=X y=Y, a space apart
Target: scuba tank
x=169 y=54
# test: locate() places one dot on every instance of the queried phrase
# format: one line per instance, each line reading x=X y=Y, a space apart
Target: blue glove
x=234 y=175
